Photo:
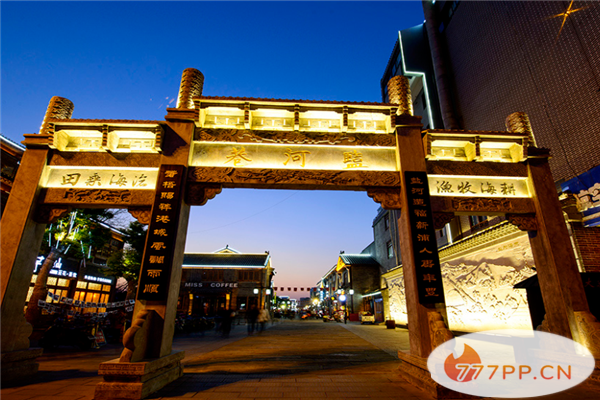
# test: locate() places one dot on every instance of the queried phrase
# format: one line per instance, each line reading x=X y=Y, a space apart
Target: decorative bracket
x=142 y=214
x=525 y=222
x=440 y=219
x=199 y=194
x=389 y=198
x=48 y=214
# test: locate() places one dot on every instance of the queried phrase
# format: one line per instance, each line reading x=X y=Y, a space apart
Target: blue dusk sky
x=123 y=60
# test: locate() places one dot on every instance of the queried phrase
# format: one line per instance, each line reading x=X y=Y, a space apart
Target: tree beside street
x=126 y=263
x=79 y=235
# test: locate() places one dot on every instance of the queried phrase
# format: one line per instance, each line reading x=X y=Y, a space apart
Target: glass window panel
x=94 y=286
x=51 y=281
x=81 y=285
x=63 y=282
x=106 y=288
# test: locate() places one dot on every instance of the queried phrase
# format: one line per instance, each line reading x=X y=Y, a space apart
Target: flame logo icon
x=462 y=374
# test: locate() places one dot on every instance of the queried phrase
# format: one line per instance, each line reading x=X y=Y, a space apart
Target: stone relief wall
x=479 y=288
x=397 y=299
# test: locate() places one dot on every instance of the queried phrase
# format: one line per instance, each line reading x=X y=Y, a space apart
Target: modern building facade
x=482 y=61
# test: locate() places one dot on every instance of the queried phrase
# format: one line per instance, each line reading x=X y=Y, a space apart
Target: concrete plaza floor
x=292 y=359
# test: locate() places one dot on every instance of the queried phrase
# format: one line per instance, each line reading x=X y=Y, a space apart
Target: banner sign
x=427 y=261
x=162 y=231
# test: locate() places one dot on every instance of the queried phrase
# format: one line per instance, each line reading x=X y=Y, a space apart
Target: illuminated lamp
x=351 y=291
x=268 y=291
x=255 y=291
x=343 y=297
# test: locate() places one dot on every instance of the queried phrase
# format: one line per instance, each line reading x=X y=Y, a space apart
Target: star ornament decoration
x=566 y=14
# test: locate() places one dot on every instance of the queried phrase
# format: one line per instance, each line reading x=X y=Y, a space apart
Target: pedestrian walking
x=251 y=317
x=263 y=318
x=226 y=318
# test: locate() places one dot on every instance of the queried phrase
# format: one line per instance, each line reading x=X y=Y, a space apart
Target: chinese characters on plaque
x=427 y=262
x=101 y=178
x=294 y=156
x=478 y=187
x=160 y=240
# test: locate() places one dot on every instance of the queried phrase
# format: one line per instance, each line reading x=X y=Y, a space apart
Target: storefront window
x=106 y=288
x=81 y=285
x=63 y=282
x=94 y=286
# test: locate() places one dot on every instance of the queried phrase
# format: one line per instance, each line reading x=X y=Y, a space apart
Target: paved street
x=292 y=359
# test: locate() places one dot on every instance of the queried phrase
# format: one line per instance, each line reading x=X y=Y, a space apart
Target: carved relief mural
x=479 y=288
x=397 y=299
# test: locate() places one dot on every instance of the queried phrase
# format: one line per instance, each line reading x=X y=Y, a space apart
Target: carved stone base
x=136 y=380
x=19 y=365
x=414 y=370
x=589 y=331
x=594 y=379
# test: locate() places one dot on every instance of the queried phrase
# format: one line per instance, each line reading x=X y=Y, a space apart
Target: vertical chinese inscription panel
x=162 y=230
x=427 y=261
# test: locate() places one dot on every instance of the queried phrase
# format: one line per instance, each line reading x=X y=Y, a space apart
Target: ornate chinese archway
x=158 y=169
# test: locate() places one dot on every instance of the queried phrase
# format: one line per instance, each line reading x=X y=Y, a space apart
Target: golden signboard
x=478 y=186
x=293 y=156
x=99 y=177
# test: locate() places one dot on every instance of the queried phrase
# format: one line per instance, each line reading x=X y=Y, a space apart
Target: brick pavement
x=293 y=359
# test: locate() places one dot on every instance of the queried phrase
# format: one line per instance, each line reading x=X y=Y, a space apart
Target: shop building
x=81 y=286
x=225 y=278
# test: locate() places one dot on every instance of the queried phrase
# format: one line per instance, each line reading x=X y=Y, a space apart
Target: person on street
x=251 y=317
x=263 y=318
x=226 y=317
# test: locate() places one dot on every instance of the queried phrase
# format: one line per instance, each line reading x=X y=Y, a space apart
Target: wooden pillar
x=21 y=237
x=20 y=243
x=426 y=328
x=567 y=310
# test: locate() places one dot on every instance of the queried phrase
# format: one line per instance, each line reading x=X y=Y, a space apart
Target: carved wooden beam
x=291 y=137
x=97 y=198
x=293 y=179
x=525 y=222
x=481 y=205
x=485 y=168
x=389 y=198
